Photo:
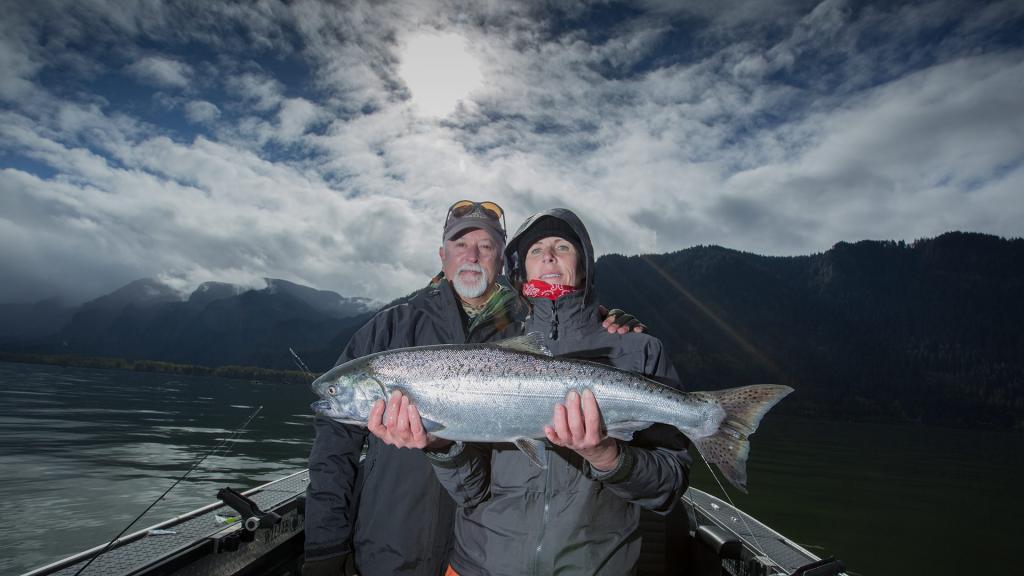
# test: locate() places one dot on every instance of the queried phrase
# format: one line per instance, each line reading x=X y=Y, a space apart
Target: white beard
x=470 y=289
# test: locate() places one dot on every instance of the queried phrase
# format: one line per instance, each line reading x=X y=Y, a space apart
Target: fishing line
x=176 y=482
x=757 y=543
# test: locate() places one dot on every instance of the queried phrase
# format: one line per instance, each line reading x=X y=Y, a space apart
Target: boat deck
x=161 y=544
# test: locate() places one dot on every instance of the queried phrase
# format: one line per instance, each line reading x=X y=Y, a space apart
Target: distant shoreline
x=229 y=371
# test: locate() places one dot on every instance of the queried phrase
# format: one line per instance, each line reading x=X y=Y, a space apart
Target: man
x=389 y=515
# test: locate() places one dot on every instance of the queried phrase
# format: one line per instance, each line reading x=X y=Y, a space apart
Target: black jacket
x=390 y=508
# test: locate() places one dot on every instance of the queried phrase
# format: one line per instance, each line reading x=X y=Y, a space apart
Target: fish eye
x=332 y=390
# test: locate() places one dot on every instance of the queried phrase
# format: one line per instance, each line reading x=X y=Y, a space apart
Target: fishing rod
x=224 y=442
x=298 y=362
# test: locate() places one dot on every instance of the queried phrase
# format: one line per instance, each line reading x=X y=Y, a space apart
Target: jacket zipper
x=544 y=516
x=553 y=335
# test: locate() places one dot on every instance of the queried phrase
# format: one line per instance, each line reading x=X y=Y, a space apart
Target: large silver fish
x=506 y=392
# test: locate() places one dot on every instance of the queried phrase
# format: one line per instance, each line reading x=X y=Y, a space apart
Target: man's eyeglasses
x=464 y=208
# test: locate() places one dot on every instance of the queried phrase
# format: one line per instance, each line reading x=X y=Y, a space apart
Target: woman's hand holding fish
x=400 y=425
x=577 y=425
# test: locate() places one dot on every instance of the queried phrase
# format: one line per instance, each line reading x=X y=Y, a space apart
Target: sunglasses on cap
x=464 y=208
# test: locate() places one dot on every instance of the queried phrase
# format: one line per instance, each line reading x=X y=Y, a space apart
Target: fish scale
x=507 y=391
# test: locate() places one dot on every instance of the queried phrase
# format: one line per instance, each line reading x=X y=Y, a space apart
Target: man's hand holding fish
x=398 y=423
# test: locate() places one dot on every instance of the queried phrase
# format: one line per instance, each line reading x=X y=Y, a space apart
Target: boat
x=259 y=532
x=260 y=535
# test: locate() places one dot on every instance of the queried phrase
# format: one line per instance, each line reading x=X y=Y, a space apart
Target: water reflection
x=85 y=451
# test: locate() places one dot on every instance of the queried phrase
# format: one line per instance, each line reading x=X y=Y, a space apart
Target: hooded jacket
x=515 y=518
x=389 y=508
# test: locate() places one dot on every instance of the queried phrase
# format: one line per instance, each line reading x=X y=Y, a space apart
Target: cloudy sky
x=322 y=142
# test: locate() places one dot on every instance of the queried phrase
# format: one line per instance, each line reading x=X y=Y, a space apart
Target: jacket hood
x=516 y=269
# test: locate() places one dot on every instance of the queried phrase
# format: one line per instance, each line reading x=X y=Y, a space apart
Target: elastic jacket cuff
x=447 y=458
x=623 y=469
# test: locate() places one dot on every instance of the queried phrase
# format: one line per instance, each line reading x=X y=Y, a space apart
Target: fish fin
x=534 y=450
x=744 y=407
x=624 y=430
x=431 y=426
x=532 y=343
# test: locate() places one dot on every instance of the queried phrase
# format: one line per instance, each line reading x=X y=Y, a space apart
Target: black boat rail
x=746 y=546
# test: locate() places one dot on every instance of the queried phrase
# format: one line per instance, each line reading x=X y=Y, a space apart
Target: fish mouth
x=322 y=407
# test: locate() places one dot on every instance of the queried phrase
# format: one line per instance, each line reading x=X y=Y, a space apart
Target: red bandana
x=541 y=289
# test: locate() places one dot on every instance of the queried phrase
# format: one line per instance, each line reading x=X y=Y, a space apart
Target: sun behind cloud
x=439 y=70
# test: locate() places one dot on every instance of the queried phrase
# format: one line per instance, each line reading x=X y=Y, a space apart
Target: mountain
x=93 y=324
x=32 y=321
x=210 y=291
x=325 y=301
x=217 y=324
x=27 y=322
x=927 y=331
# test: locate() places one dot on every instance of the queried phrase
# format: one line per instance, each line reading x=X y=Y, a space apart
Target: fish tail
x=728 y=446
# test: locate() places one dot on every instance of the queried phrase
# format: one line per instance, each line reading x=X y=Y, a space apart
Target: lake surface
x=84 y=451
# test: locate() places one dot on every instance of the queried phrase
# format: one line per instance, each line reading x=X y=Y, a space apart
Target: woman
x=580 y=515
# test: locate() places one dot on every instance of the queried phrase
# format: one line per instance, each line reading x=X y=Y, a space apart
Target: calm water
x=84 y=451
